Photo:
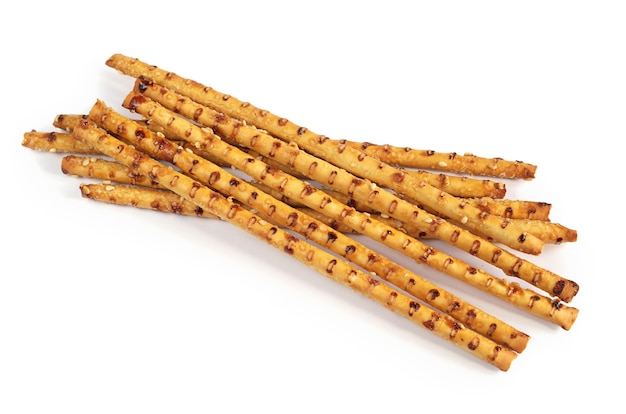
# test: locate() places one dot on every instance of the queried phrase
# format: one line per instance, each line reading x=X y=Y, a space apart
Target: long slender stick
x=143 y=197
x=525 y=299
x=323 y=262
x=362 y=190
x=338 y=153
x=450 y=161
x=286 y=216
x=508 y=208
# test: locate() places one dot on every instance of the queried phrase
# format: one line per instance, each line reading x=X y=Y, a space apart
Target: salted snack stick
x=447 y=161
x=142 y=197
x=514 y=209
x=360 y=189
x=336 y=152
x=510 y=209
x=525 y=299
x=497 y=206
x=548 y=232
x=460 y=186
x=53 y=141
x=120 y=186
x=321 y=261
x=97 y=168
x=286 y=216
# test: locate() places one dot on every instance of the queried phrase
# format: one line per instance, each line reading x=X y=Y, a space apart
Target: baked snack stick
x=321 y=261
x=365 y=224
x=142 y=197
x=98 y=168
x=121 y=187
x=459 y=186
x=514 y=209
x=336 y=152
x=61 y=142
x=451 y=161
x=511 y=209
x=286 y=216
x=496 y=206
x=360 y=189
x=548 y=232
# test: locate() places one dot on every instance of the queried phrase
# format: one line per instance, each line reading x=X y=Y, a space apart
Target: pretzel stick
x=135 y=193
x=318 y=259
x=383 y=201
x=459 y=186
x=365 y=224
x=340 y=154
x=141 y=192
x=511 y=209
x=55 y=142
x=450 y=162
x=497 y=206
x=286 y=216
x=92 y=167
x=142 y=197
x=514 y=209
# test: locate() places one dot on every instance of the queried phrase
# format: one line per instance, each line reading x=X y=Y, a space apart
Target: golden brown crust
x=93 y=167
x=337 y=153
x=451 y=162
x=359 y=189
x=60 y=142
x=323 y=262
x=286 y=216
x=142 y=197
x=365 y=224
x=513 y=209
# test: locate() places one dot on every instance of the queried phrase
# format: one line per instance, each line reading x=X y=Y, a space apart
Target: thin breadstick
x=450 y=162
x=338 y=153
x=286 y=216
x=142 y=197
x=205 y=140
x=460 y=186
x=548 y=232
x=67 y=122
x=93 y=167
x=514 y=209
x=368 y=193
x=139 y=191
x=318 y=259
x=60 y=142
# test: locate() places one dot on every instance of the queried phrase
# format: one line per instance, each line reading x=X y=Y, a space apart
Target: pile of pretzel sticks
x=195 y=151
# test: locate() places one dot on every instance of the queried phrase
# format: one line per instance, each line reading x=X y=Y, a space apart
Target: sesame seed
x=464 y=219
x=109 y=188
x=443 y=164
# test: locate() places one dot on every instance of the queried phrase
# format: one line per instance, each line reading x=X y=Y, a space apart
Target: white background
x=108 y=309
